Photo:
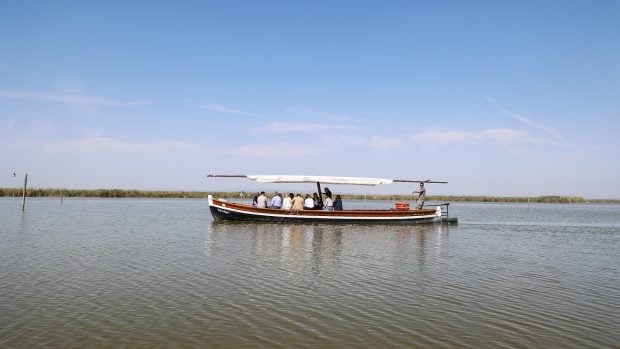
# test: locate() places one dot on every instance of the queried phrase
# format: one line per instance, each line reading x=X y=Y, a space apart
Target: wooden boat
x=222 y=209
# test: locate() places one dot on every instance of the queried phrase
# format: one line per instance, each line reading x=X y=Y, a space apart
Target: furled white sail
x=321 y=179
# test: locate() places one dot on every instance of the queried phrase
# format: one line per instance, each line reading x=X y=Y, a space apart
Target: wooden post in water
x=24 y=192
x=61 y=195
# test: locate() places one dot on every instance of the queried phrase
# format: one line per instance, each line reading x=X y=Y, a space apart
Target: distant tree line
x=125 y=193
x=101 y=193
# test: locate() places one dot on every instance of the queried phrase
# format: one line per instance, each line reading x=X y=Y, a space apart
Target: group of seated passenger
x=296 y=202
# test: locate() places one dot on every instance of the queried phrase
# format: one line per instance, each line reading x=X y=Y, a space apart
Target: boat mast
x=318 y=186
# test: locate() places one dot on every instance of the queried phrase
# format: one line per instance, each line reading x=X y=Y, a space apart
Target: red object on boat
x=402 y=206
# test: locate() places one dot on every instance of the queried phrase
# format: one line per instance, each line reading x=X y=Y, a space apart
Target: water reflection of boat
x=222 y=209
x=322 y=247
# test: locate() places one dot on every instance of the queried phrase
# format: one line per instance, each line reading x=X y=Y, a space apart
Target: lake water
x=160 y=273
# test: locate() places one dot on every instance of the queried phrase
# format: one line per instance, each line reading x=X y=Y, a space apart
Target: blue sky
x=496 y=97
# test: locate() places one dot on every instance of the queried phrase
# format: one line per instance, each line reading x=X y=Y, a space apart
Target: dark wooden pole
x=24 y=192
x=318 y=186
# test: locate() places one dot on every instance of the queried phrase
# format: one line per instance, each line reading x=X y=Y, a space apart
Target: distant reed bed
x=130 y=193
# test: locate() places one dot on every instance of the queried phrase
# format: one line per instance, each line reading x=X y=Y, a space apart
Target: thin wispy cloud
x=291 y=127
x=102 y=145
x=317 y=114
x=72 y=99
x=499 y=135
x=382 y=142
x=345 y=140
x=529 y=122
x=502 y=135
x=227 y=110
x=279 y=150
x=110 y=146
x=441 y=136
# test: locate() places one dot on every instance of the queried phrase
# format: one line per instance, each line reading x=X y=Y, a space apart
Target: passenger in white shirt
x=329 y=204
x=308 y=203
x=287 y=204
x=262 y=200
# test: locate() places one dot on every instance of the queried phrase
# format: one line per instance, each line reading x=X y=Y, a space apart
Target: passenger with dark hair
x=255 y=201
x=261 y=201
x=317 y=202
x=328 y=192
x=338 y=203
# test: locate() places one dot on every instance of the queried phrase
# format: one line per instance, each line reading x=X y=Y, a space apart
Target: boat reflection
x=298 y=247
x=312 y=245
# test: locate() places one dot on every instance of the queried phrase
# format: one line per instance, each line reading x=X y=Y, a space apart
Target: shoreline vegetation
x=160 y=194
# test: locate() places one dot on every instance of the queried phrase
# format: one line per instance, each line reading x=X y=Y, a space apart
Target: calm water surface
x=161 y=273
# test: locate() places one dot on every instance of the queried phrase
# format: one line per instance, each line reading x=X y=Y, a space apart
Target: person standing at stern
x=421 y=196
